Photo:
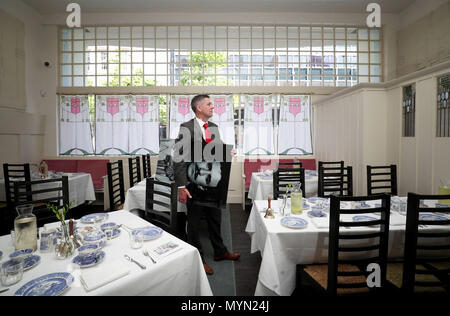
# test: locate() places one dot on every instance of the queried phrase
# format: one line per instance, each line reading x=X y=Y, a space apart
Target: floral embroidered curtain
x=127 y=124
x=258 y=124
x=294 y=129
x=75 y=128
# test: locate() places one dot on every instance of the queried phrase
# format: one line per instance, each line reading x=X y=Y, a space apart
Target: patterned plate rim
x=146 y=237
x=301 y=220
x=69 y=278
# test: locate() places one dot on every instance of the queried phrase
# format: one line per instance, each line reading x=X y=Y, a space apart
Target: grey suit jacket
x=191 y=147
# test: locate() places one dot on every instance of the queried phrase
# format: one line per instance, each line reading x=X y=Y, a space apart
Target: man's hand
x=183 y=195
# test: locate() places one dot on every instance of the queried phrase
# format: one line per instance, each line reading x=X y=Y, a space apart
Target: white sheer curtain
x=111 y=132
x=180 y=111
x=223 y=116
x=75 y=128
x=294 y=130
x=143 y=127
x=258 y=124
x=127 y=124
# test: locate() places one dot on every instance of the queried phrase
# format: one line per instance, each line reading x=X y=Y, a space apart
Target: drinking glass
x=11 y=271
x=136 y=239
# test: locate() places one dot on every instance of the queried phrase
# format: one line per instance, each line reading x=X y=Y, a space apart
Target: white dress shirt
x=201 y=123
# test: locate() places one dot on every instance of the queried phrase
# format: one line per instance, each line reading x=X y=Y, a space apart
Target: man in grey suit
x=199 y=141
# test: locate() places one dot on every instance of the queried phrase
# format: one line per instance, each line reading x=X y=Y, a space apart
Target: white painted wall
x=22 y=127
x=362 y=125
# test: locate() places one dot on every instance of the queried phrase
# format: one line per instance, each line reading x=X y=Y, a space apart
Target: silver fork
x=145 y=252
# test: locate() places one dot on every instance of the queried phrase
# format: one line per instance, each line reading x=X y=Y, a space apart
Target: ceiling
x=198 y=6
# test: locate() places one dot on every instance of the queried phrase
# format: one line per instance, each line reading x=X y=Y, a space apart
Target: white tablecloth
x=261 y=185
x=283 y=248
x=180 y=273
x=81 y=188
x=135 y=198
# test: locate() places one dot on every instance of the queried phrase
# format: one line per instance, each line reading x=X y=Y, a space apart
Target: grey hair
x=196 y=101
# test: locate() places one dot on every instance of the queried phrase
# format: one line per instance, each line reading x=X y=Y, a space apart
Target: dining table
x=81 y=187
x=261 y=184
x=135 y=197
x=282 y=247
x=174 y=269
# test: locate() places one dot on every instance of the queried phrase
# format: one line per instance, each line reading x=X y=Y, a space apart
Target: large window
x=219 y=55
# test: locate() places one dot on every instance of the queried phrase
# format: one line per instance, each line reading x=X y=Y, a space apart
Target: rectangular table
x=81 y=188
x=180 y=273
x=135 y=198
x=283 y=248
x=261 y=184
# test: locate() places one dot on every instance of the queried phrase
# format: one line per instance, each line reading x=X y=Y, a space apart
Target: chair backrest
x=382 y=179
x=426 y=249
x=335 y=178
x=13 y=173
x=353 y=248
x=40 y=193
x=146 y=166
x=161 y=205
x=115 y=184
x=283 y=176
x=134 y=166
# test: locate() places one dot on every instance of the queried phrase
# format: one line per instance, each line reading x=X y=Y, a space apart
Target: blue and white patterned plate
x=93 y=218
x=315 y=199
x=30 y=262
x=52 y=284
x=21 y=253
x=108 y=225
x=89 y=262
x=364 y=218
x=432 y=217
x=293 y=222
x=149 y=232
x=316 y=213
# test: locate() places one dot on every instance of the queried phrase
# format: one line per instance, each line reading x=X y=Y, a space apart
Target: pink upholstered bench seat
x=96 y=167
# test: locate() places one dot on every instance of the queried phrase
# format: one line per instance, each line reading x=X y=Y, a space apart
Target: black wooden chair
x=426 y=267
x=134 y=166
x=146 y=166
x=285 y=174
x=40 y=193
x=12 y=173
x=116 y=185
x=335 y=178
x=161 y=206
x=351 y=252
x=382 y=179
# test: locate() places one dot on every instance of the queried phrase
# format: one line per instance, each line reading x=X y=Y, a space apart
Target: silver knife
x=132 y=260
x=4 y=290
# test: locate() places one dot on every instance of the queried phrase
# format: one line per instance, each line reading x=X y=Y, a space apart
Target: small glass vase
x=64 y=247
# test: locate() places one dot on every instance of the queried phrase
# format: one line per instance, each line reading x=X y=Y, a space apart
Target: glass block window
x=409 y=110
x=219 y=55
x=443 y=111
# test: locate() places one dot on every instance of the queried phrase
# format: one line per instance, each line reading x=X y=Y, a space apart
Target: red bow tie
x=207 y=133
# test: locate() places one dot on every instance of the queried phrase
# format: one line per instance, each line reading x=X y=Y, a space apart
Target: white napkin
x=95 y=277
x=321 y=222
x=397 y=219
